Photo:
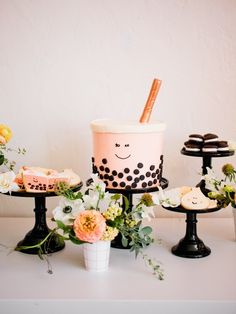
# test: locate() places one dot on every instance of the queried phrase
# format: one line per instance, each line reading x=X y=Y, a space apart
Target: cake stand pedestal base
x=40 y=231
x=191 y=246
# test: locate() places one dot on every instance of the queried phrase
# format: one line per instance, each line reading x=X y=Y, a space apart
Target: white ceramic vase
x=96 y=255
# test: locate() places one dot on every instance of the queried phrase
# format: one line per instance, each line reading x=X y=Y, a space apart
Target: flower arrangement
x=7 y=183
x=97 y=215
x=222 y=190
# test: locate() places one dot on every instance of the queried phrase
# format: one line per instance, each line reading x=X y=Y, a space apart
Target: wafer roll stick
x=150 y=101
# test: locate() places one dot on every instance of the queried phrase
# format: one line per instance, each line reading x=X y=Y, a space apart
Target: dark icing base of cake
x=129 y=178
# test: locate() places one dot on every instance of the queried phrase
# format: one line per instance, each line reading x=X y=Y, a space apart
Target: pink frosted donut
x=128 y=155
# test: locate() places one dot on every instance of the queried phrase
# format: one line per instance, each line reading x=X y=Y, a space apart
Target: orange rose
x=89 y=226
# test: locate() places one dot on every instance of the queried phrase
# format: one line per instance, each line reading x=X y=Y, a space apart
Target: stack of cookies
x=207 y=143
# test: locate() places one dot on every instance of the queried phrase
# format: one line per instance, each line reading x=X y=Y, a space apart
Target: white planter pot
x=96 y=255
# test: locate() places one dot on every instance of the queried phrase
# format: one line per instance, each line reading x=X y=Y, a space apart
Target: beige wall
x=65 y=63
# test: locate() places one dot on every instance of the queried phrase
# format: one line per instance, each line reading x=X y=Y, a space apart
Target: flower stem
x=38 y=245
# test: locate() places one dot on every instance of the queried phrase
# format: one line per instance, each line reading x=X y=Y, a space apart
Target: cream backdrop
x=64 y=63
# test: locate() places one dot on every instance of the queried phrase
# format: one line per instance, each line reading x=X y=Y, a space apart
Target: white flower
x=232 y=145
x=147 y=212
x=91 y=200
x=7 y=183
x=97 y=184
x=96 y=194
x=68 y=210
x=170 y=198
x=211 y=182
x=155 y=198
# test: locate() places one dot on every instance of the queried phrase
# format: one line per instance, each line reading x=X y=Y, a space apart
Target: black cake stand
x=191 y=246
x=40 y=230
x=206 y=162
x=128 y=193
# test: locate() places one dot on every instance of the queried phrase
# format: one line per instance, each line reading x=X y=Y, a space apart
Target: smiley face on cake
x=128 y=155
x=122 y=152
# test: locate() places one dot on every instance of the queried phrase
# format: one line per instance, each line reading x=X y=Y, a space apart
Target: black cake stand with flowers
x=40 y=230
x=206 y=162
x=191 y=246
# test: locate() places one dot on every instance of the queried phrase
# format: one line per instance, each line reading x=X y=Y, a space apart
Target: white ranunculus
x=211 y=182
x=147 y=212
x=155 y=199
x=169 y=198
x=91 y=201
x=97 y=183
x=7 y=183
x=68 y=210
x=96 y=194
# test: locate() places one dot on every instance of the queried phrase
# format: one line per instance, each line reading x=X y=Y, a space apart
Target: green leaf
x=146 y=230
x=60 y=224
x=76 y=240
x=124 y=241
x=126 y=202
x=115 y=197
x=1 y=159
x=40 y=254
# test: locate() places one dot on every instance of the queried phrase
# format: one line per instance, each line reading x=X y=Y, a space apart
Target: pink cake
x=128 y=155
x=37 y=179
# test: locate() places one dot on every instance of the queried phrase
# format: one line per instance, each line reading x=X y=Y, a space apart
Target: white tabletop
x=205 y=285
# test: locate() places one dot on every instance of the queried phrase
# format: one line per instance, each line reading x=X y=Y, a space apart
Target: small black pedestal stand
x=206 y=163
x=40 y=230
x=116 y=243
x=191 y=246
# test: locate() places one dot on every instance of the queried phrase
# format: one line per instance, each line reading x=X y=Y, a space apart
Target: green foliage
x=126 y=203
x=4 y=160
x=75 y=240
x=1 y=159
x=62 y=226
x=63 y=189
x=116 y=197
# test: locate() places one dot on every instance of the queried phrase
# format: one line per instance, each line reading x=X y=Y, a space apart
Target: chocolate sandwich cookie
x=196 y=138
x=210 y=148
x=192 y=147
x=210 y=138
x=223 y=146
